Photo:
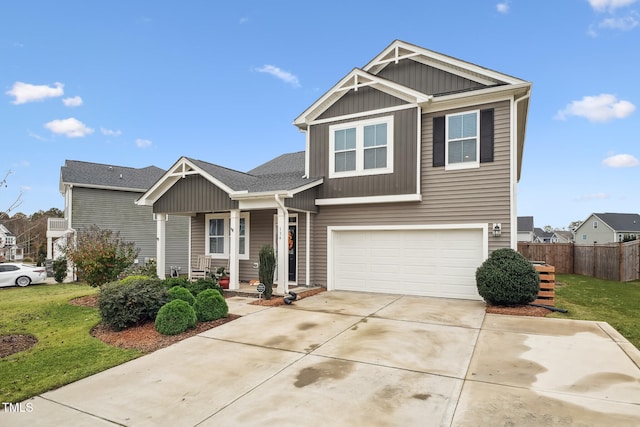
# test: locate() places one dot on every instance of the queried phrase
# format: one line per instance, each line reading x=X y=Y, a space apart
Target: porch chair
x=203 y=268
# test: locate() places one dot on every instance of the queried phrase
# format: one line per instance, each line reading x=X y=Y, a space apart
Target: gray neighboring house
x=525 y=229
x=608 y=227
x=562 y=236
x=541 y=236
x=406 y=184
x=105 y=195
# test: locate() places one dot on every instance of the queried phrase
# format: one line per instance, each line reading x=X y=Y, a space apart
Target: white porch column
x=49 y=248
x=282 y=250
x=234 y=245
x=307 y=251
x=161 y=238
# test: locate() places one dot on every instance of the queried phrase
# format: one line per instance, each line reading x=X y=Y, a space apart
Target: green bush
x=210 y=305
x=148 y=269
x=507 y=278
x=137 y=278
x=170 y=282
x=125 y=304
x=60 y=269
x=175 y=317
x=178 y=292
x=201 y=285
x=267 y=269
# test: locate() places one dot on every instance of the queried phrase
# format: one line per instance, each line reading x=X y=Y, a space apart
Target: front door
x=293 y=232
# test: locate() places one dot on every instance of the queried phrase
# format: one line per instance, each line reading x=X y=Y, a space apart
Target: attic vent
x=120 y=176
x=110 y=168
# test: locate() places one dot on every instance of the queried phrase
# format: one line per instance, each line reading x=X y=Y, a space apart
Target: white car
x=21 y=275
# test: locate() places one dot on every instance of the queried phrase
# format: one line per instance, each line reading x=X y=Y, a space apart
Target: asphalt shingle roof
x=621 y=221
x=102 y=175
x=525 y=223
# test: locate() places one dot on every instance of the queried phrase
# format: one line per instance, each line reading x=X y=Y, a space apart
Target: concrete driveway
x=358 y=359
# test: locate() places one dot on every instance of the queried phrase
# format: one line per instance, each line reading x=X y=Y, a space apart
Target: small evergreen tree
x=267 y=269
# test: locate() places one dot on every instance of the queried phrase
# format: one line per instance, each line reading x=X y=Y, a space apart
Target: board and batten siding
x=117 y=211
x=194 y=194
x=470 y=196
x=365 y=99
x=261 y=229
x=425 y=78
x=401 y=181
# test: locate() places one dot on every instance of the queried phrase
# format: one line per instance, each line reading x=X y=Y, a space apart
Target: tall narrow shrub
x=267 y=269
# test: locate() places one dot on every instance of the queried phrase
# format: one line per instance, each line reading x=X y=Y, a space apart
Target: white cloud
x=25 y=92
x=75 y=101
x=71 y=127
x=594 y=196
x=25 y=188
x=503 y=7
x=244 y=20
x=143 y=143
x=621 y=161
x=110 y=132
x=285 y=76
x=609 y=5
x=600 y=108
x=36 y=136
x=626 y=23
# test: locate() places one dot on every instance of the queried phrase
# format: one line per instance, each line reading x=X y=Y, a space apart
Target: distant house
x=525 y=229
x=105 y=195
x=9 y=250
x=562 y=236
x=608 y=227
x=541 y=236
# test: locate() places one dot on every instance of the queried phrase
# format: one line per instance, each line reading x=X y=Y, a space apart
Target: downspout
x=281 y=252
x=514 y=172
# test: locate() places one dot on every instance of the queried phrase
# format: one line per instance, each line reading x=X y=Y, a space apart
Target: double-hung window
x=361 y=148
x=463 y=140
x=218 y=229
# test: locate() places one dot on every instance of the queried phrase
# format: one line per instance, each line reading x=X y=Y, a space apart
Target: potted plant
x=223 y=277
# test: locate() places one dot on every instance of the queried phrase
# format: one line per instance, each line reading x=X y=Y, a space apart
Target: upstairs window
x=361 y=148
x=463 y=147
x=595 y=224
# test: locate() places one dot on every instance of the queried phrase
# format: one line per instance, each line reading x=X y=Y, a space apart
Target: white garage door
x=439 y=263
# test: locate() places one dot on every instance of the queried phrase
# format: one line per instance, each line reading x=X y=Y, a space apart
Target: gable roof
x=541 y=234
x=620 y=221
x=97 y=175
x=284 y=174
x=525 y=224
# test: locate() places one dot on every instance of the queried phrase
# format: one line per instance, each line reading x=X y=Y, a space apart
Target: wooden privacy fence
x=610 y=261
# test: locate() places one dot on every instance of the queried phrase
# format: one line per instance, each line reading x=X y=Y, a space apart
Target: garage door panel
x=416 y=262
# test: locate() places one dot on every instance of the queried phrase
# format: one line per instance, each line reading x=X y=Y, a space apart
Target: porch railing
x=56 y=224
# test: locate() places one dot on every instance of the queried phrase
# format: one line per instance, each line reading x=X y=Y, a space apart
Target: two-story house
x=105 y=195
x=526 y=232
x=9 y=250
x=406 y=184
x=608 y=227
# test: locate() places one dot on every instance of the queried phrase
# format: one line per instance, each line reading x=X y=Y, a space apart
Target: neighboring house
x=9 y=250
x=105 y=195
x=608 y=227
x=525 y=229
x=562 y=236
x=541 y=236
x=406 y=184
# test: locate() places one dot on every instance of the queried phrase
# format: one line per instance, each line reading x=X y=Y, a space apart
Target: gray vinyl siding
x=260 y=234
x=401 y=181
x=448 y=197
x=602 y=234
x=117 y=211
x=365 y=99
x=426 y=79
x=305 y=200
x=194 y=194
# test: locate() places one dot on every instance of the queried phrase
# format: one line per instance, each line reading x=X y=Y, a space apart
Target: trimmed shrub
x=170 y=282
x=123 y=305
x=60 y=269
x=507 y=278
x=210 y=305
x=136 y=278
x=178 y=292
x=202 y=285
x=267 y=269
x=175 y=317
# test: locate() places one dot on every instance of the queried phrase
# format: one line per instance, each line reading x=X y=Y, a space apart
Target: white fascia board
x=396 y=198
x=481 y=96
x=106 y=187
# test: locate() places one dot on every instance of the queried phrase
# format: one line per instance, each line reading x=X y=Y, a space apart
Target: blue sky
x=143 y=83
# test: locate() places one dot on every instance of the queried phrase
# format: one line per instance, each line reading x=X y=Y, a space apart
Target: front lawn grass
x=65 y=351
x=588 y=298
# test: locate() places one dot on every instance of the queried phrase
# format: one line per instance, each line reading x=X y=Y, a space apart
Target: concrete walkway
x=357 y=359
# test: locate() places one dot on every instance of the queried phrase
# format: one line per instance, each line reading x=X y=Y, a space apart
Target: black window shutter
x=486 y=136
x=438 y=141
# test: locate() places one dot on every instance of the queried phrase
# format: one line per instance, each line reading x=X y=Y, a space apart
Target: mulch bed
x=519 y=310
x=10 y=344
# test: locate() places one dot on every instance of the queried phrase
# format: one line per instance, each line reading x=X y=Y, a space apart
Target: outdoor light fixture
x=497 y=230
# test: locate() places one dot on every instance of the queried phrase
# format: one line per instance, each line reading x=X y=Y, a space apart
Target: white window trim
x=595 y=224
x=359 y=126
x=226 y=217
x=462 y=165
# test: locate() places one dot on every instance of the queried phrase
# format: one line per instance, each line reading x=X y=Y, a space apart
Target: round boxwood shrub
x=210 y=305
x=507 y=278
x=178 y=292
x=175 y=317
